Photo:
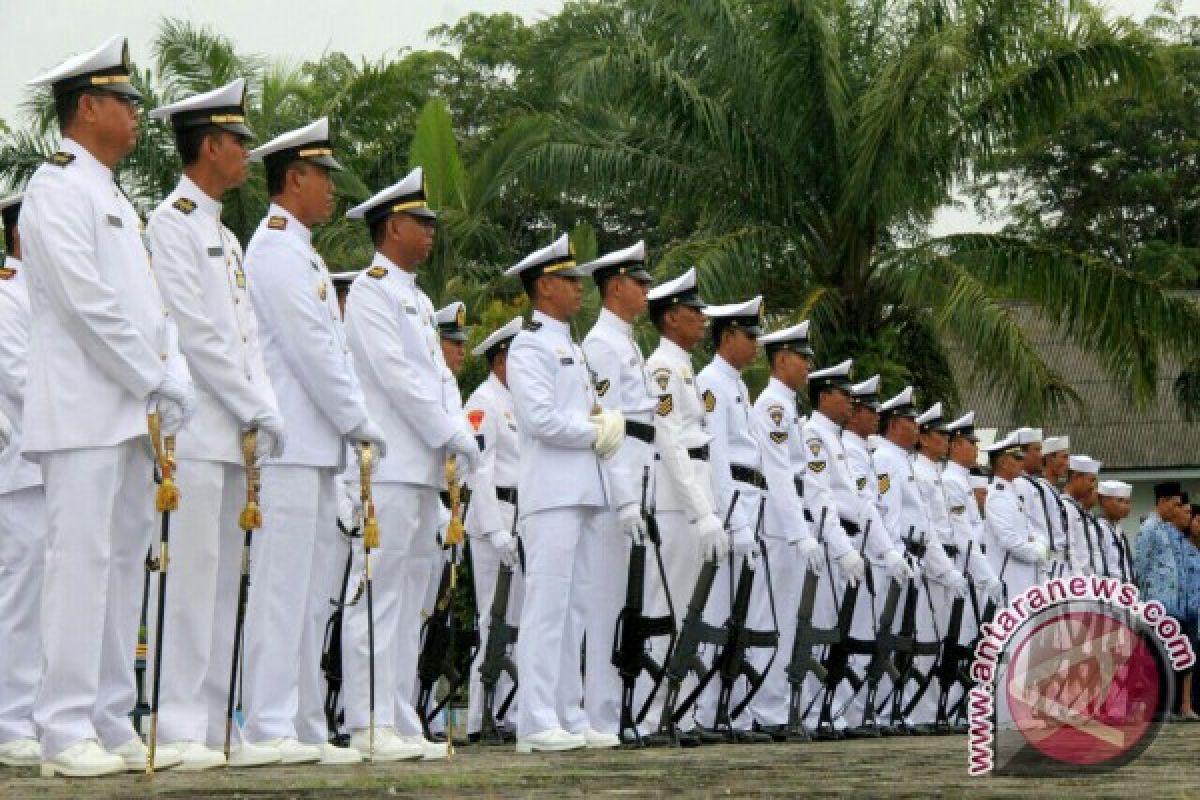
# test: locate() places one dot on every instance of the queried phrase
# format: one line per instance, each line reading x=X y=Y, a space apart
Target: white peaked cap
x=795 y=333
x=556 y=258
x=1115 y=489
x=505 y=334
x=310 y=143
x=1010 y=442
x=405 y=195
x=11 y=200
x=223 y=107
x=107 y=67
x=904 y=401
x=630 y=260
x=747 y=309
x=931 y=414
x=868 y=387
x=677 y=285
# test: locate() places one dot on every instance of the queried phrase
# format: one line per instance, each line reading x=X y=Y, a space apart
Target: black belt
x=951 y=550
x=748 y=475
x=851 y=528
x=698 y=453
x=914 y=548
x=507 y=494
x=639 y=430
x=799 y=482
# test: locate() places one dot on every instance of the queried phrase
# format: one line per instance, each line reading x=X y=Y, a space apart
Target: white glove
x=629 y=516
x=367 y=433
x=954 y=582
x=174 y=403
x=711 y=535
x=349 y=509
x=270 y=439
x=1041 y=551
x=6 y=431
x=464 y=446
x=852 y=566
x=610 y=432
x=896 y=566
x=742 y=541
x=994 y=589
x=810 y=550
x=506 y=546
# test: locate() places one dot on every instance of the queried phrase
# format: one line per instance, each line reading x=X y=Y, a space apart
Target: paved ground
x=923 y=767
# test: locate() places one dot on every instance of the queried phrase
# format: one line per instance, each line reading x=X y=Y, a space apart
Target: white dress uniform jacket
x=966 y=522
x=727 y=403
x=861 y=466
x=198 y=264
x=1048 y=517
x=493 y=419
x=682 y=483
x=390 y=325
x=929 y=483
x=619 y=375
x=303 y=342
x=904 y=511
x=828 y=486
x=100 y=340
x=553 y=396
x=1011 y=541
x=776 y=425
x=15 y=472
x=1089 y=553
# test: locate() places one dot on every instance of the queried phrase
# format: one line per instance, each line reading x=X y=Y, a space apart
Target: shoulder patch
x=817 y=466
x=814 y=446
x=710 y=400
x=475 y=417
x=185 y=205
x=662 y=376
x=861 y=483
x=277 y=223
x=7 y=273
x=885 y=482
x=602 y=387
x=666 y=404
x=61 y=159
x=533 y=326
x=377 y=272
x=776 y=411
x=779 y=437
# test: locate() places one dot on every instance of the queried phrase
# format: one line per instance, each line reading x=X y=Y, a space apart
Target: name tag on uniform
x=566 y=361
x=215 y=252
x=410 y=310
x=114 y=220
x=240 y=278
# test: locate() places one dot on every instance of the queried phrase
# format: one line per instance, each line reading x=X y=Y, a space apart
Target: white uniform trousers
x=716 y=612
x=294 y=573
x=605 y=562
x=202 y=590
x=400 y=568
x=22 y=559
x=100 y=519
x=681 y=563
x=771 y=704
x=831 y=590
x=550 y=685
x=485 y=566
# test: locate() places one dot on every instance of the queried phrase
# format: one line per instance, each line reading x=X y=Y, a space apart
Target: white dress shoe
x=388 y=746
x=430 y=751
x=134 y=752
x=21 y=753
x=292 y=751
x=252 y=755
x=595 y=740
x=86 y=759
x=554 y=740
x=331 y=755
x=194 y=756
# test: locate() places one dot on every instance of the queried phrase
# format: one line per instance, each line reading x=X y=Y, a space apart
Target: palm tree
x=799 y=148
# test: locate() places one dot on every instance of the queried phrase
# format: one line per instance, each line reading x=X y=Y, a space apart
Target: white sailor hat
x=929 y=418
x=866 y=393
x=747 y=316
x=223 y=108
x=631 y=261
x=794 y=338
x=901 y=405
x=310 y=143
x=1028 y=436
x=105 y=69
x=680 y=291
x=964 y=426
x=499 y=340
x=452 y=321
x=1008 y=446
x=1055 y=444
x=1115 y=489
x=10 y=208
x=405 y=196
x=342 y=280
x=836 y=377
x=1084 y=464
x=978 y=479
x=556 y=258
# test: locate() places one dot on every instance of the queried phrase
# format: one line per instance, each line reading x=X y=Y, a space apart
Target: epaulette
x=61 y=159
x=533 y=325
x=7 y=273
x=185 y=205
x=277 y=223
x=377 y=272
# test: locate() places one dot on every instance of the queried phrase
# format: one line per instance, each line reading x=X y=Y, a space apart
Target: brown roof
x=1107 y=426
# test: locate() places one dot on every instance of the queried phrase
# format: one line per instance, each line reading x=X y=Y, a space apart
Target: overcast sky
x=41 y=33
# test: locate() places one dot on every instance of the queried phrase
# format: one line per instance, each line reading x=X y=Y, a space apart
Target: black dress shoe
x=828 y=735
x=711 y=735
x=923 y=730
x=659 y=739
x=752 y=737
x=863 y=732
x=778 y=733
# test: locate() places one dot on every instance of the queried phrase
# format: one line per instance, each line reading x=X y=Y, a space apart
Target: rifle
x=803 y=662
x=837 y=656
x=952 y=664
x=331 y=652
x=685 y=657
x=497 y=660
x=910 y=646
x=634 y=629
x=882 y=663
